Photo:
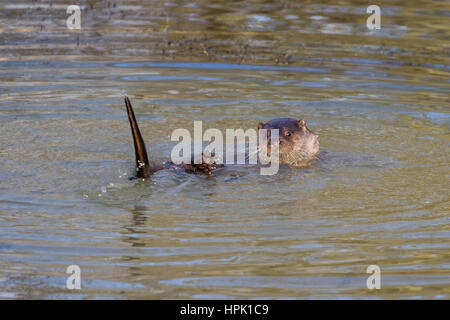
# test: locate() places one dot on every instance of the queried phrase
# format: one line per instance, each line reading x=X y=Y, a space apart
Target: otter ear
x=260 y=125
x=302 y=125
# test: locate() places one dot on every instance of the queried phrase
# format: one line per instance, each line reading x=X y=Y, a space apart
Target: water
x=379 y=195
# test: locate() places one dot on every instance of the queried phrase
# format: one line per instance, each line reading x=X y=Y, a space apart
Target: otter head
x=297 y=143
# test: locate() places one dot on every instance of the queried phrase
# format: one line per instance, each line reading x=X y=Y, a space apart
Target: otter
x=297 y=145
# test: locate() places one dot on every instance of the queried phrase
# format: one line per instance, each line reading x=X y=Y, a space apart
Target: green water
x=379 y=195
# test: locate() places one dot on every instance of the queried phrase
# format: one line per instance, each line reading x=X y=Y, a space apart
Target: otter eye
x=287 y=134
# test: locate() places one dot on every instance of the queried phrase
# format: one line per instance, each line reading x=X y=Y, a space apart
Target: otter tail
x=142 y=164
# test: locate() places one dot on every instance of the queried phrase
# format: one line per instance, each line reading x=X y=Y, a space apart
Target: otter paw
x=207 y=166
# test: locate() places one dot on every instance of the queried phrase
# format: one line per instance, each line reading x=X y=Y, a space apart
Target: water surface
x=379 y=195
